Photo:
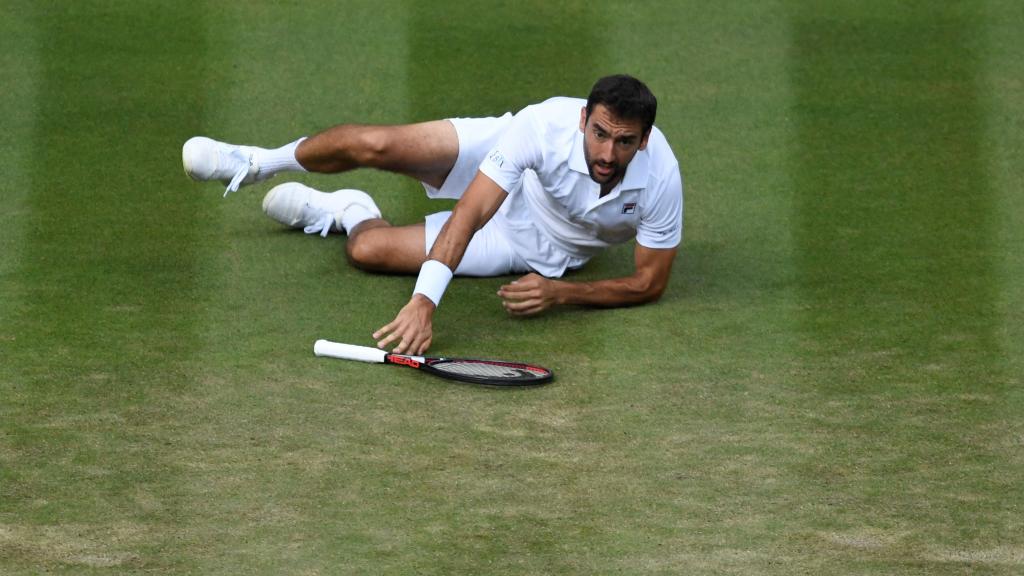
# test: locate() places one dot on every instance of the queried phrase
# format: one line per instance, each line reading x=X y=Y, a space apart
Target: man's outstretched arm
x=412 y=328
x=533 y=293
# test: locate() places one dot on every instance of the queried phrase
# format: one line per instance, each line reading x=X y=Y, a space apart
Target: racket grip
x=348 y=351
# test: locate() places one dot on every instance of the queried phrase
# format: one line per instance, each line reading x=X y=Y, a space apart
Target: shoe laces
x=322 y=223
x=244 y=163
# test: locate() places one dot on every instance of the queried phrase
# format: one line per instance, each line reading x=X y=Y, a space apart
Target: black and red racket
x=489 y=372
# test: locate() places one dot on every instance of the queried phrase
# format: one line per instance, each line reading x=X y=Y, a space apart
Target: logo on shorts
x=629 y=208
x=496 y=157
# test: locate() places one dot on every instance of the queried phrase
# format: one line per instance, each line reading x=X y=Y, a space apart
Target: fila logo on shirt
x=629 y=208
x=497 y=158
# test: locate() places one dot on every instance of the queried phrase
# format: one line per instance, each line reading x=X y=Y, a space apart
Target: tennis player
x=539 y=193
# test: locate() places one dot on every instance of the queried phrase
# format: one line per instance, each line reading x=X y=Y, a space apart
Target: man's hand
x=533 y=294
x=529 y=295
x=412 y=327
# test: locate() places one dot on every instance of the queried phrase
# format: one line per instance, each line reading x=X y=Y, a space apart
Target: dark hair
x=627 y=97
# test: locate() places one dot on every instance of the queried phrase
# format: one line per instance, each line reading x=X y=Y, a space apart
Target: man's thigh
x=475 y=138
x=426 y=151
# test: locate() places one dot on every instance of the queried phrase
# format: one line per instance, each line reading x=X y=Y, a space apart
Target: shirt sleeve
x=661 y=217
x=518 y=149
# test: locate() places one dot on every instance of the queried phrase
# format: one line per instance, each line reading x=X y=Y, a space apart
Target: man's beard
x=591 y=169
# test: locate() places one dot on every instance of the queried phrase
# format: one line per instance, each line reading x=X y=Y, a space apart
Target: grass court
x=831 y=384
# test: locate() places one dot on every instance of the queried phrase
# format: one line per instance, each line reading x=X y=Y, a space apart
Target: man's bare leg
x=377 y=246
x=426 y=151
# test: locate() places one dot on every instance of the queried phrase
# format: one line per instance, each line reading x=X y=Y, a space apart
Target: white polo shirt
x=555 y=216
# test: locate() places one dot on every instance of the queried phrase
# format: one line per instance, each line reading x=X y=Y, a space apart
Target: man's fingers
x=393 y=337
x=384 y=330
x=422 y=347
x=388 y=334
x=511 y=291
x=520 y=293
x=517 y=287
x=518 y=305
x=415 y=345
x=523 y=307
x=406 y=339
x=530 y=311
x=382 y=344
x=410 y=332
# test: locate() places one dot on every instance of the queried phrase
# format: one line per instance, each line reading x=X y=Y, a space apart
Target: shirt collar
x=577 y=161
x=637 y=171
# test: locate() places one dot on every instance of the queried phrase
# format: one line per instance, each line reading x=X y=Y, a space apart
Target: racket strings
x=488 y=370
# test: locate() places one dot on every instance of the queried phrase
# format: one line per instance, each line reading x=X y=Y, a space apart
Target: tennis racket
x=489 y=372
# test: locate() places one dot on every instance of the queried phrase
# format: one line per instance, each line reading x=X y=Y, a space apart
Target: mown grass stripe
x=19 y=47
x=484 y=60
x=106 y=298
x=895 y=208
x=898 y=281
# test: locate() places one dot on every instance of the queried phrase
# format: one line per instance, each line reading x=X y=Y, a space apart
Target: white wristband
x=433 y=280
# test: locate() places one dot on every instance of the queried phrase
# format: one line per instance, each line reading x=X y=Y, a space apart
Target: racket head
x=488 y=372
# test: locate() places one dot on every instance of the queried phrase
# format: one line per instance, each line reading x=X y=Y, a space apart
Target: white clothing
x=554 y=218
x=488 y=253
x=476 y=138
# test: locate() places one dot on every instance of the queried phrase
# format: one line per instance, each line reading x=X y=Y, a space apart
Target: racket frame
x=428 y=364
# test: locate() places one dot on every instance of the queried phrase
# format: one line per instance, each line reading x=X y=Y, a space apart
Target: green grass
x=832 y=383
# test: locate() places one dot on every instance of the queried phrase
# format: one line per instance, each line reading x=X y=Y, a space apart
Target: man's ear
x=583 y=119
x=643 y=141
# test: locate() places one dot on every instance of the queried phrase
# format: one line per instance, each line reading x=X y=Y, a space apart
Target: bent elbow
x=649 y=290
x=654 y=293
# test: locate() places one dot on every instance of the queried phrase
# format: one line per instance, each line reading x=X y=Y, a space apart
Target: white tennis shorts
x=488 y=253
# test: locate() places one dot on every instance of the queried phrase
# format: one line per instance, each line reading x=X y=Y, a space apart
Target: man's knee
x=381 y=247
x=365 y=251
x=367 y=145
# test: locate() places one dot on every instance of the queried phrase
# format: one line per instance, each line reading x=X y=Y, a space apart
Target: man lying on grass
x=539 y=192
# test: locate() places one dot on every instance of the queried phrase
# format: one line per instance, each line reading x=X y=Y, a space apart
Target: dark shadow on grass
x=894 y=227
x=464 y=63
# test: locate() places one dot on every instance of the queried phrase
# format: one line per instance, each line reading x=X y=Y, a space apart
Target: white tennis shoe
x=299 y=206
x=207 y=159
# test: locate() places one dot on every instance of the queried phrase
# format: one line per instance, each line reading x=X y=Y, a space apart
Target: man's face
x=609 y=144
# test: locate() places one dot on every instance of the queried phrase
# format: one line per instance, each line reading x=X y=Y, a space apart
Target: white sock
x=279 y=159
x=355 y=215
